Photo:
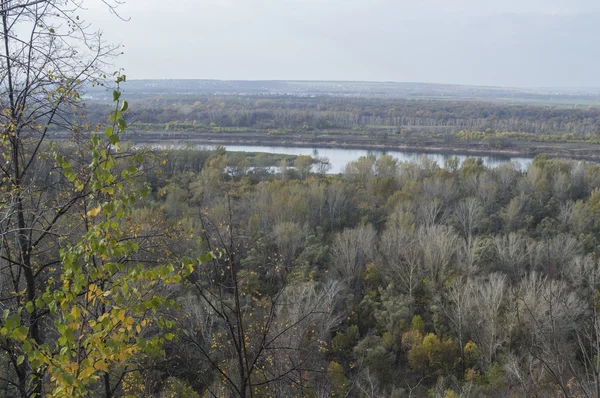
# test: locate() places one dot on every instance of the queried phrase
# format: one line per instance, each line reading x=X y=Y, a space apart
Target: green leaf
x=13 y=321
x=122 y=125
x=20 y=333
x=205 y=257
x=20 y=359
x=116 y=95
x=125 y=106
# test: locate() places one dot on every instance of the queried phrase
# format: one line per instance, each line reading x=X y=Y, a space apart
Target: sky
x=511 y=43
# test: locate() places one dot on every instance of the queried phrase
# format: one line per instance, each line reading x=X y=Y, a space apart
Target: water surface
x=340 y=157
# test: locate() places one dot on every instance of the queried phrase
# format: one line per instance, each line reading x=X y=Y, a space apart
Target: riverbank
x=579 y=151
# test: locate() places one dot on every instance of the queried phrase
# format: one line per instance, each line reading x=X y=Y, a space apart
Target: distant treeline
x=395 y=116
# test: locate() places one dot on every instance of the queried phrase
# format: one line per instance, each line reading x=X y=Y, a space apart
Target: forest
x=131 y=272
x=348 y=115
x=412 y=279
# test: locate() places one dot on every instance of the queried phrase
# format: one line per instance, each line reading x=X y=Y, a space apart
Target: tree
x=553 y=254
x=487 y=302
x=289 y=237
x=401 y=257
x=440 y=245
x=266 y=322
x=257 y=344
x=303 y=165
x=352 y=250
x=361 y=171
x=323 y=165
x=585 y=274
x=469 y=214
x=48 y=54
x=546 y=312
x=335 y=200
x=458 y=309
x=92 y=312
x=511 y=253
x=430 y=212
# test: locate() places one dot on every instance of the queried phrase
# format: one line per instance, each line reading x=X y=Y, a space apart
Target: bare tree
x=444 y=190
x=352 y=250
x=487 y=329
x=323 y=165
x=511 y=252
x=566 y=214
x=401 y=258
x=440 y=245
x=584 y=273
x=368 y=385
x=283 y=342
x=430 y=212
x=458 y=308
x=469 y=213
x=547 y=312
x=553 y=254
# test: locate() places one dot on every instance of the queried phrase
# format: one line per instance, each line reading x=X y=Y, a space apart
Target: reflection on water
x=340 y=157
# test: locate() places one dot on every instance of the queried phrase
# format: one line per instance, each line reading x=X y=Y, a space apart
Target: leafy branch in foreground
x=104 y=304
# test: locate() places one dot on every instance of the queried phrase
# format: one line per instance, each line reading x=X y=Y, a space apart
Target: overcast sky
x=524 y=43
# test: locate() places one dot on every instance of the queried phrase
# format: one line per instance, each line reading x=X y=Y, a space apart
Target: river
x=340 y=157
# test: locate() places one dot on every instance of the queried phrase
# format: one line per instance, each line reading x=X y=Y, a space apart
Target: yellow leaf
x=87 y=372
x=100 y=365
x=93 y=212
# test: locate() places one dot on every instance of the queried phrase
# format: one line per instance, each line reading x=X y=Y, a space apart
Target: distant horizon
x=370 y=82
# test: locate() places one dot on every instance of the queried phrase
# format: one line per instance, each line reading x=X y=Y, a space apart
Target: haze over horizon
x=533 y=43
x=333 y=81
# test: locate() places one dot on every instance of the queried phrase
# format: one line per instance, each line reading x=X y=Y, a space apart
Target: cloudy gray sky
x=525 y=43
